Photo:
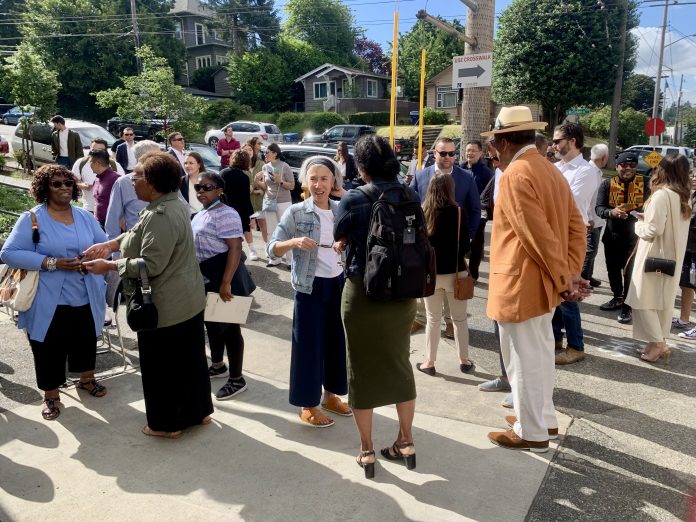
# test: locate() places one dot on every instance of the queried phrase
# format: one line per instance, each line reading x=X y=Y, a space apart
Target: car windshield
x=87 y=134
x=210 y=157
x=272 y=129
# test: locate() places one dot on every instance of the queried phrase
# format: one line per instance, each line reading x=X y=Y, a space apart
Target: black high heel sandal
x=369 y=467
x=409 y=460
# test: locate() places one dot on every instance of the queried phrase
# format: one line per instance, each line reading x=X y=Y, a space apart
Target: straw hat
x=514 y=119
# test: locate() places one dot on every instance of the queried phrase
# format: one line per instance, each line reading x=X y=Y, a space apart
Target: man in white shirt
x=176 y=148
x=568 y=140
x=599 y=156
x=124 y=152
x=86 y=176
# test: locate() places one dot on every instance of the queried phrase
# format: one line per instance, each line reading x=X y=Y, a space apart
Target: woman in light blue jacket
x=67 y=313
x=318 y=343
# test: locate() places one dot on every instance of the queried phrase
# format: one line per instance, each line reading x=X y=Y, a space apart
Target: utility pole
x=677 y=133
x=618 y=86
x=654 y=140
x=136 y=32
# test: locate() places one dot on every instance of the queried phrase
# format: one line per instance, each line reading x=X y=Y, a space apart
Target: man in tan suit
x=537 y=251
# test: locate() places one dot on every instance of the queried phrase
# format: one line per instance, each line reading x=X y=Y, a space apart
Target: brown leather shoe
x=416 y=327
x=449 y=331
x=569 y=356
x=558 y=345
x=512 y=419
x=509 y=439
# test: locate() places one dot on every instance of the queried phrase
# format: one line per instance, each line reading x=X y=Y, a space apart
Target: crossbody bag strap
x=144 y=281
x=459 y=233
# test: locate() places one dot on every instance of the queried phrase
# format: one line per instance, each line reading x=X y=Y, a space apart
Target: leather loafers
x=509 y=439
x=511 y=420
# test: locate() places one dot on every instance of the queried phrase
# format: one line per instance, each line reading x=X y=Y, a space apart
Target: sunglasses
x=198 y=187
x=559 y=140
x=177 y=139
x=128 y=134
x=495 y=158
x=67 y=183
x=629 y=164
x=450 y=153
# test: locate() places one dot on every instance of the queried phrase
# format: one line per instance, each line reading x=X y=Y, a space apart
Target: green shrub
x=369 y=118
x=320 y=121
x=3 y=162
x=222 y=112
x=434 y=117
x=287 y=120
x=6 y=224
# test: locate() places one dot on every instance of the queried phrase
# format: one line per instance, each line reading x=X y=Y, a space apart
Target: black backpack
x=400 y=260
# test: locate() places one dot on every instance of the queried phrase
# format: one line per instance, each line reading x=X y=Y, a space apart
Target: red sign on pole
x=655 y=127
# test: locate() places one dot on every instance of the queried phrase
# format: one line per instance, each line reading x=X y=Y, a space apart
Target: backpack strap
x=83 y=162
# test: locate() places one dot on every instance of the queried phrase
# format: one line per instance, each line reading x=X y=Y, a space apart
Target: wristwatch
x=51 y=264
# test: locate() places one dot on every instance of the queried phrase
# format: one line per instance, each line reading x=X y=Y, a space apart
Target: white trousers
x=529 y=357
x=272 y=220
x=444 y=287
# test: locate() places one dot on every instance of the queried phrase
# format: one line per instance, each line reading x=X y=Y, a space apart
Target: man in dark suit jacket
x=124 y=152
x=465 y=192
x=66 y=144
x=176 y=149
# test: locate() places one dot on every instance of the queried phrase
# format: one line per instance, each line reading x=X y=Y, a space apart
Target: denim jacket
x=300 y=220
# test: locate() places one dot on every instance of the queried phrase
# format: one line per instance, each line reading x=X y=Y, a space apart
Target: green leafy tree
x=154 y=90
x=560 y=54
x=327 y=25
x=440 y=47
x=631 y=125
x=9 y=26
x=264 y=79
x=245 y=24
x=638 y=92
x=93 y=53
x=31 y=83
x=203 y=78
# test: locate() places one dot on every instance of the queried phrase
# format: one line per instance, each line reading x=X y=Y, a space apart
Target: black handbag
x=660 y=266
x=141 y=312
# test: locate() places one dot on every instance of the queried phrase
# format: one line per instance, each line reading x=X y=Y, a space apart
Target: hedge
x=434 y=117
x=320 y=121
x=376 y=119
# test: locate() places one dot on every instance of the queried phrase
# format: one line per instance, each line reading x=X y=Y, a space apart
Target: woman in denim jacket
x=318 y=343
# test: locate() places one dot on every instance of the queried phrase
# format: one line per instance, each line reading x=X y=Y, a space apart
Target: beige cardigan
x=662 y=233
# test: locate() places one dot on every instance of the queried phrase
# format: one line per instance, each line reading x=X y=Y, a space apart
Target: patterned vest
x=627 y=196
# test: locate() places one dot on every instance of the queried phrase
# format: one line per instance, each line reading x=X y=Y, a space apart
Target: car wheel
x=213 y=142
x=5 y=122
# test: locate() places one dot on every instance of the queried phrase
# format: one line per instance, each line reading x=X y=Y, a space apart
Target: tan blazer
x=538 y=240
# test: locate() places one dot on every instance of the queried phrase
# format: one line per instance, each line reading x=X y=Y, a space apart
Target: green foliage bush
x=369 y=118
x=222 y=112
x=14 y=200
x=287 y=120
x=631 y=125
x=320 y=121
x=434 y=117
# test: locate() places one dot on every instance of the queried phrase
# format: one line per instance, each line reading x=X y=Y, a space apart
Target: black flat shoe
x=409 y=460
x=369 y=467
x=466 y=368
x=428 y=371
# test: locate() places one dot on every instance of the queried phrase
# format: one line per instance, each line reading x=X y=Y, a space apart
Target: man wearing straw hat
x=537 y=250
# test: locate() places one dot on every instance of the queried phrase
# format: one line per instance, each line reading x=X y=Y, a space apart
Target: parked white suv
x=41 y=134
x=664 y=150
x=243 y=130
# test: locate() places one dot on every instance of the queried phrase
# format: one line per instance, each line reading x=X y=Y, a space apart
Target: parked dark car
x=149 y=128
x=13 y=116
x=350 y=134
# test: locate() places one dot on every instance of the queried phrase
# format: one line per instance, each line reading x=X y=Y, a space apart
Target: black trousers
x=476 y=255
x=70 y=337
x=223 y=336
x=616 y=253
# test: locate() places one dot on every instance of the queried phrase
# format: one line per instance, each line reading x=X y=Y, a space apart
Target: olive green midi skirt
x=378 y=342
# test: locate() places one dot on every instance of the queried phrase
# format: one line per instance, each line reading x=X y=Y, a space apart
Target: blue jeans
x=567 y=316
x=593 y=238
x=63 y=160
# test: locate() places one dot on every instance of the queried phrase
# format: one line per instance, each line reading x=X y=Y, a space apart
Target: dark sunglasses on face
x=177 y=139
x=66 y=183
x=128 y=134
x=198 y=187
x=443 y=153
x=559 y=140
x=629 y=164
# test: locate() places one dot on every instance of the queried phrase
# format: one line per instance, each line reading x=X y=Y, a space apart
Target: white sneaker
x=689 y=334
x=253 y=256
x=273 y=261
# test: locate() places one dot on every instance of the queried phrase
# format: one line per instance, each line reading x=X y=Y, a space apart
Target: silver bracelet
x=51 y=264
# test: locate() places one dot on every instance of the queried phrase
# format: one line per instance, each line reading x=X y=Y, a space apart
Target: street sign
x=654 y=127
x=653 y=159
x=472 y=70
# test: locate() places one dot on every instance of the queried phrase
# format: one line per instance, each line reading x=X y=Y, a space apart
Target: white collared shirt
x=63 y=142
x=132 y=162
x=584 y=184
x=179 y=156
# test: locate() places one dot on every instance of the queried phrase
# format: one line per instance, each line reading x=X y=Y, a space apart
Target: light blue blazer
x=19 y=251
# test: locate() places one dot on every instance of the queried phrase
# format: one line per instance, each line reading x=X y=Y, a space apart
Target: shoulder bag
x=141 y=312
x=660 y=265
x=463 y=287
x=18 y=286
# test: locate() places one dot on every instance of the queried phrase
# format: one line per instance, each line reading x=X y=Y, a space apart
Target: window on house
x=446 y=97
x=200 y=34
x=371 y=88
x=216 y=35
x=320 y=90
x=178 y=31
x=220 y=60
x=203 y=61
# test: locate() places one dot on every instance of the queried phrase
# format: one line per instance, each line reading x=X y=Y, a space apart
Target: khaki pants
x=444 y=287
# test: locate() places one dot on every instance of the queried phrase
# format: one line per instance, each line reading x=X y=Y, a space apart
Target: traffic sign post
x=472 y=70
x=655 y=127
x=653 y=159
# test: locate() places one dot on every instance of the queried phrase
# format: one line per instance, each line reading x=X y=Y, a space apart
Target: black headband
x=326 y=162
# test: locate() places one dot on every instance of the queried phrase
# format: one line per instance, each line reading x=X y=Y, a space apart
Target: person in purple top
x=101 y=190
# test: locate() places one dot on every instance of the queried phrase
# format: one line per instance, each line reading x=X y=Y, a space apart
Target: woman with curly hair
x=67 y=312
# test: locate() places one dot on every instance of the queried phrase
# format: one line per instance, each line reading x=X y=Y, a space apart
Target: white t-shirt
x=327 y=258
x=132 y=162
x=88 y=176
x=63 y=142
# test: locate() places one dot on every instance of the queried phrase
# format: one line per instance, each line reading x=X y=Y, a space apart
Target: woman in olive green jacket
x=174 y=352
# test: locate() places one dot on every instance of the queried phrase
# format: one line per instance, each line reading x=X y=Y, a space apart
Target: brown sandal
x=52 y=410
x=164 y=434
x=92 y=386
x=337 y=406
x=316 y=419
